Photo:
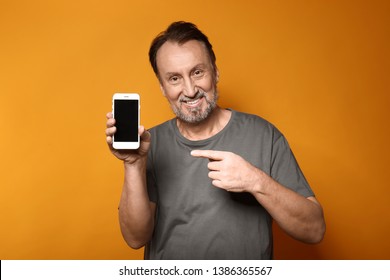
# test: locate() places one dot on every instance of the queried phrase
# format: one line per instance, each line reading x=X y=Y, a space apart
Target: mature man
x=208 y=183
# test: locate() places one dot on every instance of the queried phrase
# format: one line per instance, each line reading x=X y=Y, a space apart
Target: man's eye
x=174 y=79
x=198 y=73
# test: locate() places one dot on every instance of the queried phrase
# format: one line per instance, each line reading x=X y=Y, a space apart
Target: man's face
x=188 y=80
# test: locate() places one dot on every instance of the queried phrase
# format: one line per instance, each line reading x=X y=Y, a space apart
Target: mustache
x=199 y=94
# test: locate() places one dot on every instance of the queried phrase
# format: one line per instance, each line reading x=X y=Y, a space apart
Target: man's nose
x=189 y=89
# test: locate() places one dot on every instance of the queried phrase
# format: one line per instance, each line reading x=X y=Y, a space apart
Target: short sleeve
x=151 y=179
x=284 y=167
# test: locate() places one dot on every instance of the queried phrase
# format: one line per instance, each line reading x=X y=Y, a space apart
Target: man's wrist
x=260 y=182
x=137 y=164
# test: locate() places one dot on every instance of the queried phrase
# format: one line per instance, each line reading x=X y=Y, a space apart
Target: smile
x=193 y=103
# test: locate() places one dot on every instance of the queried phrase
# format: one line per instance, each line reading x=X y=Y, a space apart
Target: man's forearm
x=136 y=212
x=301 y=217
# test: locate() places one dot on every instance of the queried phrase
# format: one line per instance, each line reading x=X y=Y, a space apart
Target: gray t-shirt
x=194 y=219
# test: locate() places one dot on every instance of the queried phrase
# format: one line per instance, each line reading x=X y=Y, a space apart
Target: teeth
x=193 y=102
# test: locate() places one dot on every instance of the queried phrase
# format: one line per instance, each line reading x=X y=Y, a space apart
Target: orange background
x=318 y=70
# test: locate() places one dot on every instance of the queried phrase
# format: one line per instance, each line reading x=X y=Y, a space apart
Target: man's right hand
x=128 y=156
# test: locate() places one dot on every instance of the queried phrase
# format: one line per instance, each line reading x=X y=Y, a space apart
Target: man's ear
x=216 y=75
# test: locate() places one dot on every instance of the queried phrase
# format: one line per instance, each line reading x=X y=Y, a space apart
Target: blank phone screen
x=126 y=118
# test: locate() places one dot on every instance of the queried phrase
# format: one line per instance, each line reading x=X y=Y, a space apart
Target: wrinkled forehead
x=173 y=56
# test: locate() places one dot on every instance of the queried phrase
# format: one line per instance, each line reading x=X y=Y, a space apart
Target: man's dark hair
x=180 y=32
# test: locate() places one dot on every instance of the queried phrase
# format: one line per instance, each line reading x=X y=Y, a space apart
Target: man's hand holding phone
x=127 y=140
x=128 y=156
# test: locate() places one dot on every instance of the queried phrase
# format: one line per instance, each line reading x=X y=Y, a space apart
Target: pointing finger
x=210 y=154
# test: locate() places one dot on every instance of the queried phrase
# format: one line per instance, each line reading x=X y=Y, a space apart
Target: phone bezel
x=126 y=96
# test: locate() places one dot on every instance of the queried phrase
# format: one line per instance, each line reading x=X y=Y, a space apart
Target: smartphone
x=126 y=111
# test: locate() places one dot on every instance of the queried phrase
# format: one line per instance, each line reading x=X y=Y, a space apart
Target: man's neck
x=217 y=120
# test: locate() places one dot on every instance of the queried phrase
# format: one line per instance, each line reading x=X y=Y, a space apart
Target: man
x=208 y=183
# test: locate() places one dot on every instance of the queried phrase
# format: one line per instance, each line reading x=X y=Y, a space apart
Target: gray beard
x=196 y=115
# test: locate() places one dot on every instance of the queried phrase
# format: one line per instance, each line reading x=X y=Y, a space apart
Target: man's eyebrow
x=171 y=74
x=200 y=65
x=197 y=66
